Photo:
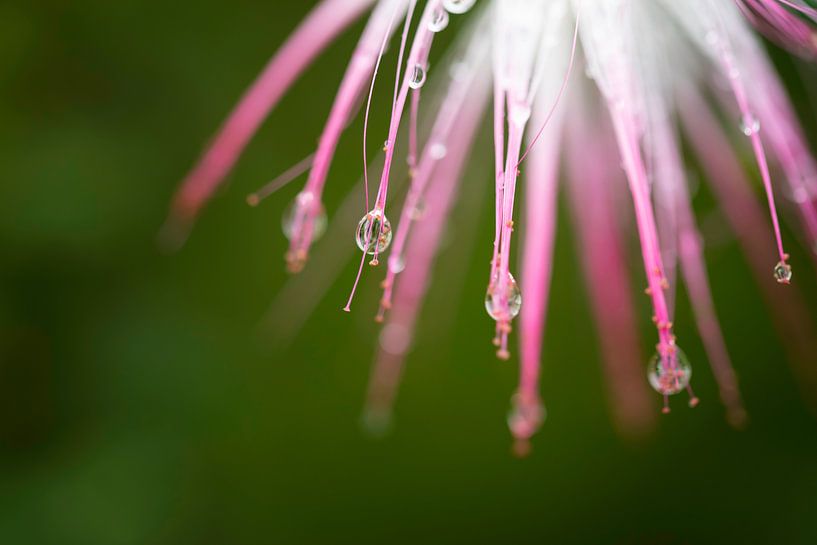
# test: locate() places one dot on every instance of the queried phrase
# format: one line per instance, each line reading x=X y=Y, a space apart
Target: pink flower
x=658 y=71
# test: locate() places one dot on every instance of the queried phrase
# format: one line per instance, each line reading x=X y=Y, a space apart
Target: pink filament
x=449 y=112
x=593 y=195
x=736 y=83
x=320 y=27
x=537 y=260
x=732 y=190
x=422 y=248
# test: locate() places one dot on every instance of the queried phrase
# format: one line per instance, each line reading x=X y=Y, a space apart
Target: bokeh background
x=140 y=403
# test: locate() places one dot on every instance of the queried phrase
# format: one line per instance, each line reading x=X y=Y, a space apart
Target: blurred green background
x=138 y=404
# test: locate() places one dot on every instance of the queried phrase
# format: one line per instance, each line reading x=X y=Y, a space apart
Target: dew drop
x=493 y=299
x=782 y=273
x=438 y=21
x=373 y=233
x=418 y=77
x=669 y=373
x=301 y=212
x=397 y=264
x=749 y=125
x=458 y=6
x=525 y=417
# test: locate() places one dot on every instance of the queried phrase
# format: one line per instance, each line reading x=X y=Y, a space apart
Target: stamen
x=254 y=199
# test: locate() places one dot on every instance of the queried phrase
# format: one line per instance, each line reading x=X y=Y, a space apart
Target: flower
x=659 y=71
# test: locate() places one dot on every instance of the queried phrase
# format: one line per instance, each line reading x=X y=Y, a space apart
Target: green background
x=139 y=404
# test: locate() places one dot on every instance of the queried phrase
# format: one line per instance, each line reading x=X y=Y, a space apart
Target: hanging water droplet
x=525 y=417
x=458 y=6
x=418 y=77
x=397 y=264
x=373 y=232
x=782 y=273
x=438 y=21
x=304 y=212
x=494 y=300
x=749 y=125
x=669 y=372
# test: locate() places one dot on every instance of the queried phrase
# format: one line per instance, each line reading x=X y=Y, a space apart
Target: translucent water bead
x=669 y=373
x=305 y=209
x=418 y=77
x=493 y=299
x=458 y=6
x=373 y=233
x=782 y=273
x=438 y=21
x=525 y=417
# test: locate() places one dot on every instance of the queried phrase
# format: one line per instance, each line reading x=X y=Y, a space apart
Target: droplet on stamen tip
x=438 y=21
x=305 y=211
x=373 y=233
x=494 y=301
x=782 y=273
x=669 y=371
x=749 y=125
x=418 y=77
x=525 y=417
x=458 y=6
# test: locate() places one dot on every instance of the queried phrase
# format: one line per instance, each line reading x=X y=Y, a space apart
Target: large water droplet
x=458 y=6
x=669 y=372
x=782 y=273
x=373 y=233
x=303 y=212
x=749 y=125
x=494 y=300
x=438 y=21
x=418 y=77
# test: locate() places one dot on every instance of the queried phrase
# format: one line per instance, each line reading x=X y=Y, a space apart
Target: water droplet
x=669 y=372
x=305 y=211
x=373 y=233
x=397 y=264
x=494 y=301
x=782 y=273
x=418 y=77
x=525 y=417
x=749 y=125
x=458 y=6
x=438 y=151
x=438 y=21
